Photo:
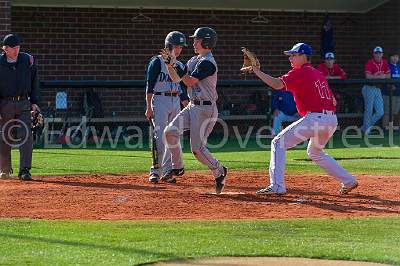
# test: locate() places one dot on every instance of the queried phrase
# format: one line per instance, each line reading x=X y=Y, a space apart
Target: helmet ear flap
x=169 y=46
x=205 y=44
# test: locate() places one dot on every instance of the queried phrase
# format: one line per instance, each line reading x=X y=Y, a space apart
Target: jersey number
x=323 y=90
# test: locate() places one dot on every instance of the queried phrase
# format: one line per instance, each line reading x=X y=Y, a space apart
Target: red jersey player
x=316 y=105
x=329 y=69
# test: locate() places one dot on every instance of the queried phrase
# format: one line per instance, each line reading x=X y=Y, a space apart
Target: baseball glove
x=249 y=60
x=168 y=56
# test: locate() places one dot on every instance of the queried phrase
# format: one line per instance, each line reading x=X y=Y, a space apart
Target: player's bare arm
x=377 y=76
x=274 y=83
x=189 y=81
x=149 y=110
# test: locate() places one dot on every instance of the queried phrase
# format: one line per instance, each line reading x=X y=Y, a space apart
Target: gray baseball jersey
x=205 y=89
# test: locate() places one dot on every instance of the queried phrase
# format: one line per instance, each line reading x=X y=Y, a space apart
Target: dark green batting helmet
x=175 y=38
x=207 y=35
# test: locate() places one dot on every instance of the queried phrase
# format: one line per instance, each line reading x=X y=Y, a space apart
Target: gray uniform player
x=163 y=99
x=200 y=77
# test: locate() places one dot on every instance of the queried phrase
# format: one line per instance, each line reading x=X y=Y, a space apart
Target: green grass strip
x=41 y=242
x=378 y=161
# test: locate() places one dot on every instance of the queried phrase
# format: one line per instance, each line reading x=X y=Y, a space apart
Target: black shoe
x=220 y=181
x=169 y=176
x=178 y=172
x=25 y=175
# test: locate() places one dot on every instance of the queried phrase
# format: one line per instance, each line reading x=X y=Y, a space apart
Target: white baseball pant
x=318 y=128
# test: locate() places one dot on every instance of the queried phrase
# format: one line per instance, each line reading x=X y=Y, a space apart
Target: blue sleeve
x=181 y=71
x=204 y=69
x=153 y=70
x=183 y=92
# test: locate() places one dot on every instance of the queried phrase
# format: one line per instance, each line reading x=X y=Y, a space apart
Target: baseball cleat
x=269 y=191
x=153 y=178
x=220 y=181
x=178 y=172
x=5 y=175
x=168 y=179
x=345 y=190
x=169 y=176
x=25 y=175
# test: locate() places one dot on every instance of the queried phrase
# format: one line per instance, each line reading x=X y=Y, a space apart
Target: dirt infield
x=131 y=197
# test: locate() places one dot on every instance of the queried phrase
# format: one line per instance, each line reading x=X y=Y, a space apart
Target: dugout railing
x=350 y=91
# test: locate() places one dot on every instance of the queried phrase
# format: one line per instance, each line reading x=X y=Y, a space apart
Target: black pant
x=15 y=132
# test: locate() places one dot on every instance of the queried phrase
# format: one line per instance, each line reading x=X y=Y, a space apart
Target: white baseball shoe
x=269 y=190
x=5 y=175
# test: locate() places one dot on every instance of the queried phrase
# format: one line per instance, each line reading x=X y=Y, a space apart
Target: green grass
x=362 y=160
x=127 y=243
x=36 y=242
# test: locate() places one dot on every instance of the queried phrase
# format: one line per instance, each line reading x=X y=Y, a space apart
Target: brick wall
x=5 y=17
x=105 y=44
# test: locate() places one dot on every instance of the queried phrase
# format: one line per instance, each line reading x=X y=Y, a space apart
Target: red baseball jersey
x=310 y=89
x=336 y=70
x=372 y=67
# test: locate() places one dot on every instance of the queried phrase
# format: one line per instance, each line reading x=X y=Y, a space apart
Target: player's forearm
x=186 y=79
x=173 y=74
x=189 y=81
x=149 y=98
x=274 y=83
x=377 y=76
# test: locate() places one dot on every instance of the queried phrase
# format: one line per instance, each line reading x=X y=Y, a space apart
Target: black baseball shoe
x=169 y=176
x=24 y=174
x=220 y=181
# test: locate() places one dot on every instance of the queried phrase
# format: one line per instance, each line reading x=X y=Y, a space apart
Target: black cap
x=11 y=40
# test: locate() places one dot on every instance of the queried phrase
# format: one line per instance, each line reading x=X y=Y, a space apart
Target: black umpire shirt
x=19 y=78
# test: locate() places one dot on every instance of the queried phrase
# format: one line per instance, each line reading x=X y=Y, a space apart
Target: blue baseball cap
x=378 y=49
x=329 y=55
x=299 y=48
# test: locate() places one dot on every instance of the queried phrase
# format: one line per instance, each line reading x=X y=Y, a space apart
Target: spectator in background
x=394 y=67
x=283 y=109
x=224 y=104
x=331 y=70
x=376 y=68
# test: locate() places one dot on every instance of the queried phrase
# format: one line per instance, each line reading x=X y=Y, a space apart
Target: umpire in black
x=18 y=98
